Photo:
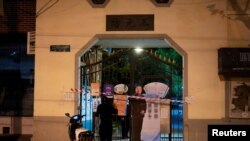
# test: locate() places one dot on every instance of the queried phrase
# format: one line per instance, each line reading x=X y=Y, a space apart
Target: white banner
x=151 y=123
x=156 y=121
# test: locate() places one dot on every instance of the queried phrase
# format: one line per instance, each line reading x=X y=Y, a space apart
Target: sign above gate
x=142 y=22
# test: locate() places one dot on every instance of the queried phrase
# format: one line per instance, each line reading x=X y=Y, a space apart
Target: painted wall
x=196 y=26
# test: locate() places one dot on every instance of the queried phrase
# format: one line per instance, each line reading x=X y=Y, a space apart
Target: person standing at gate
x=138 y=108
x=105 y=112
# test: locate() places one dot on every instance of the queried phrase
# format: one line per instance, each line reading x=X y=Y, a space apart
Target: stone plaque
x=130 y=22
x=60 y=48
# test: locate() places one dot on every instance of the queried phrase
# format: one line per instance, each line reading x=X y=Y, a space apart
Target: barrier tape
x=188 y=99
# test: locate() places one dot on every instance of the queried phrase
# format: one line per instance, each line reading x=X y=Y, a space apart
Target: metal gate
x=124 y=66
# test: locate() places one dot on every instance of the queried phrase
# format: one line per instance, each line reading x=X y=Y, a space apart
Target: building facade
x=195 y=28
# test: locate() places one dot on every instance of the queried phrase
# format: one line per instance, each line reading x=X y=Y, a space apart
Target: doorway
x=132 y=60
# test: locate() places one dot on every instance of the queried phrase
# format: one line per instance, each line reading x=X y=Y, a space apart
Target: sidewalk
x=15 y=137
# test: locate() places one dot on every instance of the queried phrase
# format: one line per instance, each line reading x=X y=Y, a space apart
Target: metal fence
x=176 y=122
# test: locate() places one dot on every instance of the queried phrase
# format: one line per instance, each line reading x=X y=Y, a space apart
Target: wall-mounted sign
x=130 y=22
x=234 y=62
x=60 y=48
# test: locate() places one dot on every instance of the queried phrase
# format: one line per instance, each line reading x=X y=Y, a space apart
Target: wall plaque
x=130 y=22
x=60 y=48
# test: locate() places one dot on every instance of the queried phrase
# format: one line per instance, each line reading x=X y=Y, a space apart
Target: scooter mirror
x=67 y=114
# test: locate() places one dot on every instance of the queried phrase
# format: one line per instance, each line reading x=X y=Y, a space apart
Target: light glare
x=138 y=50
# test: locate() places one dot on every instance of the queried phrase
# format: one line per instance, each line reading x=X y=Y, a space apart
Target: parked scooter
x=76 y=131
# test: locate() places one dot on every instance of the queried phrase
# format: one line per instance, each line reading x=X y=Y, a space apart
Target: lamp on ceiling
x=98 y=3
x=138 y=50
x=162 y=3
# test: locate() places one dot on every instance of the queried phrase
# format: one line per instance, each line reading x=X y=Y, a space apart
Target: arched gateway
x=108 y=61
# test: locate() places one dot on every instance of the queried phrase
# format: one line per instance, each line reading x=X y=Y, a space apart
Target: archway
x=110 y=59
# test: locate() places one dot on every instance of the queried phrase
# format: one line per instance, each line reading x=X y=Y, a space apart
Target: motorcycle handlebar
x=68 y=115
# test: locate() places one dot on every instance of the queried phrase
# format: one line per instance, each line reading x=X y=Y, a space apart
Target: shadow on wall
x=237 y=7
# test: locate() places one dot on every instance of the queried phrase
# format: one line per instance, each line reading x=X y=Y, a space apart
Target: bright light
x=138 y=50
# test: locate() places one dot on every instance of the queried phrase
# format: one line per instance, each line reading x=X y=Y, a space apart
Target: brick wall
x=19 y=16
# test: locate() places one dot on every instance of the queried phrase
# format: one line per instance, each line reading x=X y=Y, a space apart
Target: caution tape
x=188 y=99
x=162 y=101
x=75 y=90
